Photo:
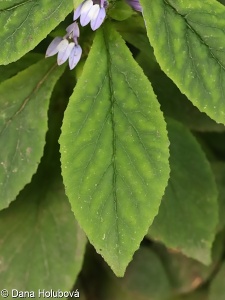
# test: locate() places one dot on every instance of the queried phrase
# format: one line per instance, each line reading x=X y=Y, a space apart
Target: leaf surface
x=114 y=151
x=219 y=172
x=188 y=38
x=217 y=288
x=187 y=274
x=188 y=214
x=25 y=23
x=24 y=101
x=14 y=68
x=173 y=103
x=41 y=244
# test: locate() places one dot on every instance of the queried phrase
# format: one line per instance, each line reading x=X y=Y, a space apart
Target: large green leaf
x=188 y=38
x=174 y=104
x=41 y=245
x=188 y=214
x=114 y=151
x=25 y=23
x=24 y=101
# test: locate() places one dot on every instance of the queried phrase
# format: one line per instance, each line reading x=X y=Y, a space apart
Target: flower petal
x=75 y=56
x=135 y=4
x=103 y=3
x=52 y=48
x=94 y=11
x=77 y=12
x=87 y=5
x=84 y=19
x=95 y=24
x=65 y=53
x=62 y=45
x=74 y=29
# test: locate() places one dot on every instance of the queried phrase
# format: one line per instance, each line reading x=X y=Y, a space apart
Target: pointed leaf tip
x=114 y=151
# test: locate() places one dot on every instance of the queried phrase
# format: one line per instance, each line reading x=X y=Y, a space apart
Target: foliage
x=122 y=156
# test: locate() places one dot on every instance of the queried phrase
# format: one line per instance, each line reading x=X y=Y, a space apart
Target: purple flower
x=65 y=48
x=73 y=31
x=135 y=4
x=92 y=11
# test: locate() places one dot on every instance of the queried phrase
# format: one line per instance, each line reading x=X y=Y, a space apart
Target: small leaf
x=24 y=101
x=188 y=38
x=114 y=151
x=188 y=214
x=41 y=245
x=25 y=23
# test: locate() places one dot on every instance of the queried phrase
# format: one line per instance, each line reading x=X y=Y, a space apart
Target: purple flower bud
x=73 y=30
x=77 y=12
x=102 y=2
x=135 y=4
x=75 y=56
x=87 y=5
x=96 y=23
x=84 y=19
x=64 y=50
x=91 y=11
x=84 y=14
x=52 y=48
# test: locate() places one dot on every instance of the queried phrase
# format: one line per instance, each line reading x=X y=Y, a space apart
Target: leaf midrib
x=12 y=7
x=195 y=32
x=27 y=99
x=114 y=144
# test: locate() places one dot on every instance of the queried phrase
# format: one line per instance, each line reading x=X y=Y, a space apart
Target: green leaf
x=187 y=274
x=221 y=1
x=213 y=142
x=217 y=288
x=41 y=245
x=24 y=101
x=120 y=11
x=25 y=23
x=145 y=279
x=134 y=32
x=188 y=214
x=174 y=104
x=201 y=294
x=219 y=171
x=188 y=38
x=21 y=64
x=114 y=151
